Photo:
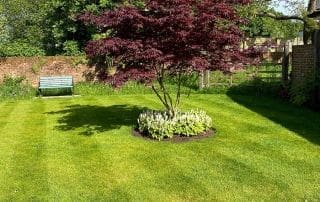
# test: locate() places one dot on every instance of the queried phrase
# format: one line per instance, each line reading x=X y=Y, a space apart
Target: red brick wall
x=303 y=63
x=304 y=69
x=34 y=67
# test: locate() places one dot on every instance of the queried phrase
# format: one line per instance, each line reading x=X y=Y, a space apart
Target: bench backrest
x=56 y=81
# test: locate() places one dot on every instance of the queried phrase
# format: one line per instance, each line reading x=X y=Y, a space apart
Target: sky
x=284 y=10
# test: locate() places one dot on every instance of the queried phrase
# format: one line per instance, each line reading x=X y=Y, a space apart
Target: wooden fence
x=271 y=71
x=267 y=72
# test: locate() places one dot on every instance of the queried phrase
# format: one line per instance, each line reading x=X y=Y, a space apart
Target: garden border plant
x=173 y=37
x=15 y=87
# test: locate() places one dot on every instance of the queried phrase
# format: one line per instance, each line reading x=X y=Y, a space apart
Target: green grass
x=82 y=149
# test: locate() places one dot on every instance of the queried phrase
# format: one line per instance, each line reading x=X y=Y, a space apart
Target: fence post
x=207 y=78
x=201 y=79
x=285 y=63
x=231 y=79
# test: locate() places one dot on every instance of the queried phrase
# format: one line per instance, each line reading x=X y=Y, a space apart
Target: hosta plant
x=160 y=124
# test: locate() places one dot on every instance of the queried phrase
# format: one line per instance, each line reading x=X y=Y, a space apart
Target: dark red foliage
x=123 y=75
x=178 y=35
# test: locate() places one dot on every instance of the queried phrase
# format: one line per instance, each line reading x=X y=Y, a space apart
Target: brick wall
x=34 y=67
x=304 y=69
x=303 y=63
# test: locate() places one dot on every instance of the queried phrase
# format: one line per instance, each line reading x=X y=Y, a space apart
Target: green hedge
x=22 y=49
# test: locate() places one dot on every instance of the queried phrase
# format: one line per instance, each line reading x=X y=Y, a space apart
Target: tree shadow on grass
x=94 y=119
x=301 y=120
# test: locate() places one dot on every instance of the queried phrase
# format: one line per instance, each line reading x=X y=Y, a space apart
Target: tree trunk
x=285 y=63
x=312 y=5
x=163 y=94
x=307 y=34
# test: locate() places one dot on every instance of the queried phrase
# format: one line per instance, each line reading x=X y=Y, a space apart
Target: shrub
x=256 y=87
x=19 y=48
x=301 y=93
x=14 y=87
x=79 y=60
x=71 y=48
x=160 y=125
x=37 y=66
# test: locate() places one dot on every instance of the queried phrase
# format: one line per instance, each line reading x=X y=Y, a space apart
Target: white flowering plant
x=160 y=124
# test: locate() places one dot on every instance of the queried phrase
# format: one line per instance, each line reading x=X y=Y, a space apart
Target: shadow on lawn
x=93 y=119
x=300 y=120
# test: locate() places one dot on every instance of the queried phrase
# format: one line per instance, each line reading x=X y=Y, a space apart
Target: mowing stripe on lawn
x=90 y=154
x=64 y=177
x=179 y=175
x=27 y=176
x=136 y=181
x=117 y=176
x=6 y=109
x=248 y=169
x=180 y=169
x=6 y=150
x=120 y=173
x=295 y=166
x=86 y=166
x=244 y=116
x=8 y=142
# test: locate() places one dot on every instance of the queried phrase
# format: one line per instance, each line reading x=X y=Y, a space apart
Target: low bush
x=256 y=87
x=19 y=48
x=71 y=48
x=37 y=66
x=79 y=60
x=301 y=92
x=159 y=124
x=15 y=87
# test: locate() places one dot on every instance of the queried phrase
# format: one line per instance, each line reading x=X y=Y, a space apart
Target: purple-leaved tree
x=169 y=37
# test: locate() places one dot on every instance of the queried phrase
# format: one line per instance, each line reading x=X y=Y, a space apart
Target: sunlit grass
x=82 y=149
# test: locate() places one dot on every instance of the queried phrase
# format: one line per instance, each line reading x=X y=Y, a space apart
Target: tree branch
x=281 y=17
x=159 y=96
x=179 y=87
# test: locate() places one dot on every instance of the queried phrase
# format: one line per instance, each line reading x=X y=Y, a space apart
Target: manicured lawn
x=82 y=149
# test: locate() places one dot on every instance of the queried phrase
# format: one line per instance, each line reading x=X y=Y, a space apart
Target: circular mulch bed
x=176 y=138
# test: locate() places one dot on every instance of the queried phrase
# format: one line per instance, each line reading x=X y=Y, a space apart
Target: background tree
x=21 y=20
x=61 y=27
x=4 y=29
x=168 y=37
x=265 y=26
x=48 y=25
x=296 y=11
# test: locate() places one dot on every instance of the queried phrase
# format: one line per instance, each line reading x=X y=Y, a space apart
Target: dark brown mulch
x=175 y=138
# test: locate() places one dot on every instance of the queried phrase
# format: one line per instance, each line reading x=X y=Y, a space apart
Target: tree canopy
x=168 y=37
x=296 y=10
x=48 y=24
x=260 y=25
